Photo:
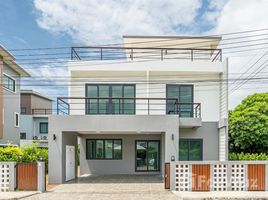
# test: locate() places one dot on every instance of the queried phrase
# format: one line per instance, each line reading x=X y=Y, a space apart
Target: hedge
x=24 y=154
x=248 y=156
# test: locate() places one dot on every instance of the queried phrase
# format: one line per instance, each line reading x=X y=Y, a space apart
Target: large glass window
x=9 y=83
x=110 y=149
x=110 y=99
x=184 y=96
x=190 y=149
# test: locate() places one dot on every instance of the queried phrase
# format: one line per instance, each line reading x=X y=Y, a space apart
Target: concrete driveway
x=110 y=187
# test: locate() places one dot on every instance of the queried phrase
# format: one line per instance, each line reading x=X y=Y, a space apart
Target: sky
x=61 y=23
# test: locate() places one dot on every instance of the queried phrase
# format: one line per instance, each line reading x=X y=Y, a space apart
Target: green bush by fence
x=248 y=156
x=24 y=154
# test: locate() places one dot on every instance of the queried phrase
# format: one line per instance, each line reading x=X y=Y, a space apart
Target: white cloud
x=241 y=15
x=106 y=21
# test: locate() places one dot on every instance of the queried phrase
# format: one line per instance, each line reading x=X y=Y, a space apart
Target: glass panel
x=172 y=92
x=183 y=150
x=186 y=95
x=104 y=103
x=141 y=156
x=99 y=148
x=92 y=104
x=129 y=91
x=117 y=92
x=195 y=152
x=43 y=127
x=109 y=149
x=91 y=144
x=129 y=106
x=117 y=149
x=153 y=156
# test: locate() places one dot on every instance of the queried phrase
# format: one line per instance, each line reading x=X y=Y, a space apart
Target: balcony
x=127 y=106
x=93 y=53
x=43 y=111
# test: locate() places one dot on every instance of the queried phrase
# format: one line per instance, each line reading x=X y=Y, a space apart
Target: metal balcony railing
x=127 y=106
x=144 y=53
x=43 y=111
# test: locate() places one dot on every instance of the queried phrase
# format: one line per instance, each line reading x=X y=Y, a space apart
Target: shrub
x=248 y=156
x=24 y=154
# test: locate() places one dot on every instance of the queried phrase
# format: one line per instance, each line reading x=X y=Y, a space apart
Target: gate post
x=41 y=177
x=12 y=176
x=172 y=175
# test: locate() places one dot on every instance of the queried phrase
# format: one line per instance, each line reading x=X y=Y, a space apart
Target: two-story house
x=10 y=76
x=136 y=107
x=35 y=108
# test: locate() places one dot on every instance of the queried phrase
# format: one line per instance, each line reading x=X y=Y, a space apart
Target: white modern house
x=35 y=109
x=10 y=77
x=153 y=101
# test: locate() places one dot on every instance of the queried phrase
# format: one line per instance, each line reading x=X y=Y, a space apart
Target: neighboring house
x=166 y=101
x=35 y=109
x=10 y=77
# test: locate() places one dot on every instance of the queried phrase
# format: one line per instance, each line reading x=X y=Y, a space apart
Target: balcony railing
x=43 y=111
x=127 y=106
x=144 y=53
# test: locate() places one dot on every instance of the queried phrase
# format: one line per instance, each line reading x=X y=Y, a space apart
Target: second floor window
x=184 y=96
x=9 y=83
x=43 y=127
x=22 y=110
x=110 y=99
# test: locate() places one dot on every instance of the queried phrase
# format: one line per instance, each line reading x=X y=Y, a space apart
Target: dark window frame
x=87 y=111
x=23 y=133
x=159 y=160
x=103 y=147
x=188 y=150
x=42 y=123
x=179 y=85
x=9 y=78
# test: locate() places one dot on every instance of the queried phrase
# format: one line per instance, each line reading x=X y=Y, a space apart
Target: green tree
x=248 y=125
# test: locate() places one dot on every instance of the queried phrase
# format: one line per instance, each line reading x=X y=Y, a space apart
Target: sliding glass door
x=147 y=155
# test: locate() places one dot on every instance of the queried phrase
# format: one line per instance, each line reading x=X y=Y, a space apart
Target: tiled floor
x=111 y=187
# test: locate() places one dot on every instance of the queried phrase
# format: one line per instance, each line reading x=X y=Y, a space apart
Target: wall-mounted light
x=172 y=158
x=54 y=137
x=172 y=136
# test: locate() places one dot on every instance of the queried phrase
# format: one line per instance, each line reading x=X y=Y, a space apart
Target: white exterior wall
x=209 y=94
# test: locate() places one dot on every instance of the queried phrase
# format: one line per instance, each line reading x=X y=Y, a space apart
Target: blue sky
x=55 y=23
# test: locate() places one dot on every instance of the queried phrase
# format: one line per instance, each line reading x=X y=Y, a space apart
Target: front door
x=70 y=162
x=147 y=155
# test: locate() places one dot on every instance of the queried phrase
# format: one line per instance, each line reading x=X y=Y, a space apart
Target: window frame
x=23 y=113
x=188 y=150
x=42 y=123
x=25 y=136
x=87 y=111
x=179 y=85
x=103 y=146
x=13 y=79
x=16 y=120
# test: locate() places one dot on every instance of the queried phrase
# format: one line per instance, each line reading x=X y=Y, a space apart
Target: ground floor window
x=190 y=149
x=110 y=149
x=23 y=136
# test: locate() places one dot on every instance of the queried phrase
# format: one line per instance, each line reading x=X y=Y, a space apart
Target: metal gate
x=200 y=177
x=27 y=176
x=256 y=177
x=167 y=175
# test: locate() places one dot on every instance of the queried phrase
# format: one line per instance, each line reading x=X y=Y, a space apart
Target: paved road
x=121 y=187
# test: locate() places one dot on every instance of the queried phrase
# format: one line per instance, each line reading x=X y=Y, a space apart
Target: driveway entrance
x=111 y=187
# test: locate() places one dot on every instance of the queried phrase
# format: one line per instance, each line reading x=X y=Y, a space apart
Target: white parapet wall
x=219 y=176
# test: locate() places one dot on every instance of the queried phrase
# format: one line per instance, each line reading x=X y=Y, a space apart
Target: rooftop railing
x=144 y=53
x=127 y=106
